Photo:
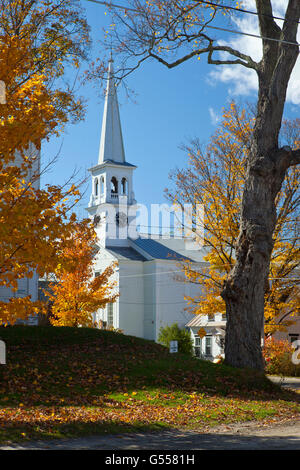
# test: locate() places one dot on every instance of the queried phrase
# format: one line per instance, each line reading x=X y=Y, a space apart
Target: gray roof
x=125 y=253
x=157 y=250
x=119 y=163
x=198 y=321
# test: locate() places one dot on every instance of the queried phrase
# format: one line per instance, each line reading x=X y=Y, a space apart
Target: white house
x=208 y=333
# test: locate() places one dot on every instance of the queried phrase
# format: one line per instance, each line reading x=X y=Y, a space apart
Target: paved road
x=236 y=437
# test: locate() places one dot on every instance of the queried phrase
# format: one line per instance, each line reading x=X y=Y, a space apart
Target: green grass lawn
x=67 y=382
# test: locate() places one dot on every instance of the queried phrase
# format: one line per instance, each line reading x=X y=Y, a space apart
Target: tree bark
x=266 y=168
x=244 y=290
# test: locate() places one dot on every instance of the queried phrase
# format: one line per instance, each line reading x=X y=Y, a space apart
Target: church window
x=96 y=187
x=114 y=185
x=110 y=314
x=124 y=186
x=101 y=185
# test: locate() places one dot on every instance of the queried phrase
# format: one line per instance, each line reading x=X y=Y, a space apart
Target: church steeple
x=111 y=143
x=112 y=204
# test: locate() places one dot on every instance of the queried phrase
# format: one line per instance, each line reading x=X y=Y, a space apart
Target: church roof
x=147 y=248
x=111 y=143
x=157 y=250
x=125 y=253
x=100 y=165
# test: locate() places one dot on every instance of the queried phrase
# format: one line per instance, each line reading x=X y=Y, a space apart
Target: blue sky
x=172 y=107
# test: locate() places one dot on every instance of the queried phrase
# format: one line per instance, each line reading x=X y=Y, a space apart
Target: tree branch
x=179 y=61
x=243 y=59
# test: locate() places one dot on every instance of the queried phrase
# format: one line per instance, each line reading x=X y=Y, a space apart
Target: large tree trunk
x=245 y=288
x=266 y=168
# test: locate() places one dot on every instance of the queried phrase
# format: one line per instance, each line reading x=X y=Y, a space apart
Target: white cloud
x=241 y=80
x=214 y=116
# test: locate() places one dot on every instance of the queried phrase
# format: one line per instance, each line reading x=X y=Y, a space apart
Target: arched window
x=96 y=186
x=101 y=185
x=114 y=185
x=124 y=186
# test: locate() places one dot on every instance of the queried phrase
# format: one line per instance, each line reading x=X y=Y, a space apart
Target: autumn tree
x=37 y=41
x=77 y=292
x=215 y=177
x=174 y=31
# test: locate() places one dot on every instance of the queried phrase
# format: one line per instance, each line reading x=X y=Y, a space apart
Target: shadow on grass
x=76 y=366
x=22 y=431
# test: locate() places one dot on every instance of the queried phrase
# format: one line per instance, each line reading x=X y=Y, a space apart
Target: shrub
x=278 y=358
x=174 y=333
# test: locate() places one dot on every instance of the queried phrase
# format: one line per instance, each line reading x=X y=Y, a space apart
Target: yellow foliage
x=215 y=178
x=77 y=294
x=33 y=222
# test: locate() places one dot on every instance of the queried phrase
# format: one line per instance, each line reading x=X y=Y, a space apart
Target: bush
x=174 y=333
x=278 y=358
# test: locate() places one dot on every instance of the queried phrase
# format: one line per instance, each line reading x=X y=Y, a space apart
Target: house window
x=293 y=337
x=211 y=317
x=21 y=291
x=197 y=346
x=208 y=346
x=110 y=314
x=224 y=316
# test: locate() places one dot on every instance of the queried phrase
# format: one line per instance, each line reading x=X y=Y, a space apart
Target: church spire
x=111 y=143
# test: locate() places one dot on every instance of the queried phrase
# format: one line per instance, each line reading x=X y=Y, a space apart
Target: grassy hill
x=63 y=382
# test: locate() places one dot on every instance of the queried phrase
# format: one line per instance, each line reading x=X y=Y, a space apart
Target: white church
x=150 y=293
